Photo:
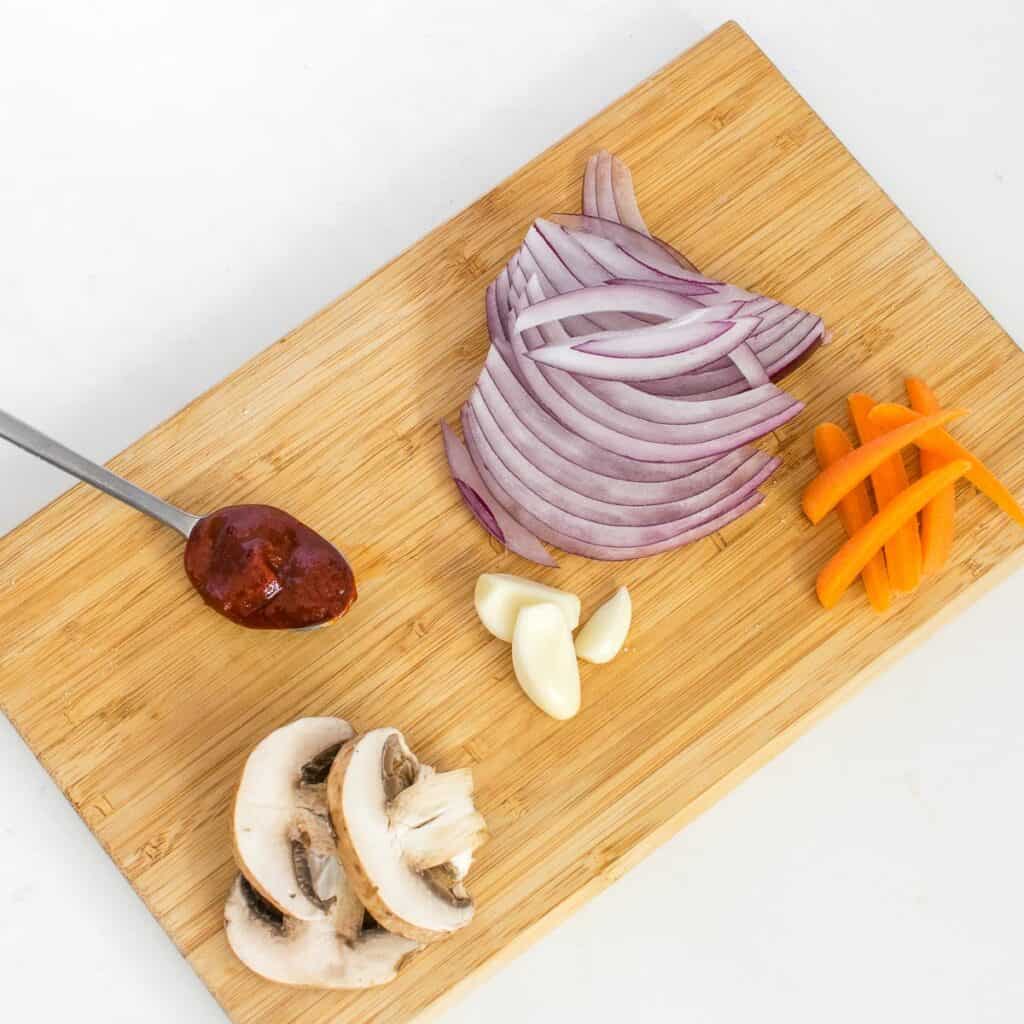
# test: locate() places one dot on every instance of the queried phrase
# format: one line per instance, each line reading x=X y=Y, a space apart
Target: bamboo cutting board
x=143 y=705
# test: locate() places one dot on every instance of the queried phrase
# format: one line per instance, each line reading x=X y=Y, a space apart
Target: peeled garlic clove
x=605 y=632
x=499 y=597
x=544 y=660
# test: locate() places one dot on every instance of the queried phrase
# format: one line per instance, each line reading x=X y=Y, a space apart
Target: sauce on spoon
x=262 y=568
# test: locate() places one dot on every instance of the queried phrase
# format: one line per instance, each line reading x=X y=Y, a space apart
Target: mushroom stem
x=429 y=796
x=446 y=836
x=348 y=911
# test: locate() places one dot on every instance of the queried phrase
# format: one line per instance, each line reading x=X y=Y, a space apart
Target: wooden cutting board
x=143 y=705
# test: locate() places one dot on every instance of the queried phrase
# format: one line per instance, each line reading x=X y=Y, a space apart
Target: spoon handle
x=57 y=455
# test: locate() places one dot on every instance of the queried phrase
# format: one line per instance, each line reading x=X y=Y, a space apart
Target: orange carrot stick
x=896 y=417
x=855 y=510
x=938 y=517
x=849 y=561
x=825 y=490
x=903 y=551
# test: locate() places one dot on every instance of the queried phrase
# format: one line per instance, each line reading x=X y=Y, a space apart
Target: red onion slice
x=699 y=326
x=603 y=185
x=568 y=266
x=591 y=545
x=625 y=368
x=497 y=417
x=633 y=401
x=562 y=279
x=510 y=486
x=573 y=446
x=514 y=472
x=777 y=357
x=528 y=266
x=652 y=251
x=747 y=363
x=625 y=197
x=590 y=187
x=606 y=298
x=765 y=419
x=595 y=408
x=488 y=512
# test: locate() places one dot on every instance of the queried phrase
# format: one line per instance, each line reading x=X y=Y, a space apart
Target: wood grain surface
x=142 y=704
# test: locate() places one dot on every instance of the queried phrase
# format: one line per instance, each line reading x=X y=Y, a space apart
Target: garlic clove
x=545 y=661
x=605 y=632
x=500 y=596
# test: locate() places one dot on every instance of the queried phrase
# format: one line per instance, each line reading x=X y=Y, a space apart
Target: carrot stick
x=855 y=510
x=903 y=551
x=896 y=417
x=825 y=490
x=849 y=561
x=939 y=515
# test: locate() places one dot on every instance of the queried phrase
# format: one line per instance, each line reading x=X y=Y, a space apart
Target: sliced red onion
x=654 y=408
x=649 y=250
x=528 y=267
x=590 y=187
x=694 y=289
x=497 y=417
x=576 y=259
x=776 y=357
x=745 y=428
x=625 y=368
x=596 y=409
x=488 y=512
x=779 y=325
x=747 y=363
x=617 y=261
x=625 y=197
x=562 y=279
x=567 y=266
x=590 y=540
x=606 y=298
x=508 y=484
x=699 y=326
x=514 y=471
x=618 y=464
x=498 y=377
x=603 y=185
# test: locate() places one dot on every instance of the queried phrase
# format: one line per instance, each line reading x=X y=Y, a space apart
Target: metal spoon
x=37 y=443
x=31 y=440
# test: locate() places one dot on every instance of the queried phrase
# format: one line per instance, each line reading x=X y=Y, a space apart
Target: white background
x=182 y=182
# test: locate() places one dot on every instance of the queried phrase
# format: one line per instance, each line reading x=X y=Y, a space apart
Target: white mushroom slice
x=499 y=597
x=400 y=826
x=310 y=954
x=605 y=632
x=284 y=842
x=545 y=661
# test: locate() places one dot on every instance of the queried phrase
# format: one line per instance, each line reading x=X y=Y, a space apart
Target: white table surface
x=182 y=182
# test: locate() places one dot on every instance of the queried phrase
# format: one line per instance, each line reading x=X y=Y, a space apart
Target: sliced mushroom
x=405 y=835
x=310 y=954
x=284 y=841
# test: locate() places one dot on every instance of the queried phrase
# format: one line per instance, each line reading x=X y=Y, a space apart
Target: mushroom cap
x=284 y=843
x=365 y=779
x=308 y=954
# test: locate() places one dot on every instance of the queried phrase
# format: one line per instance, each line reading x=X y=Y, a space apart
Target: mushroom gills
x=315 y=771
x=309 y=954
x=284 y=841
